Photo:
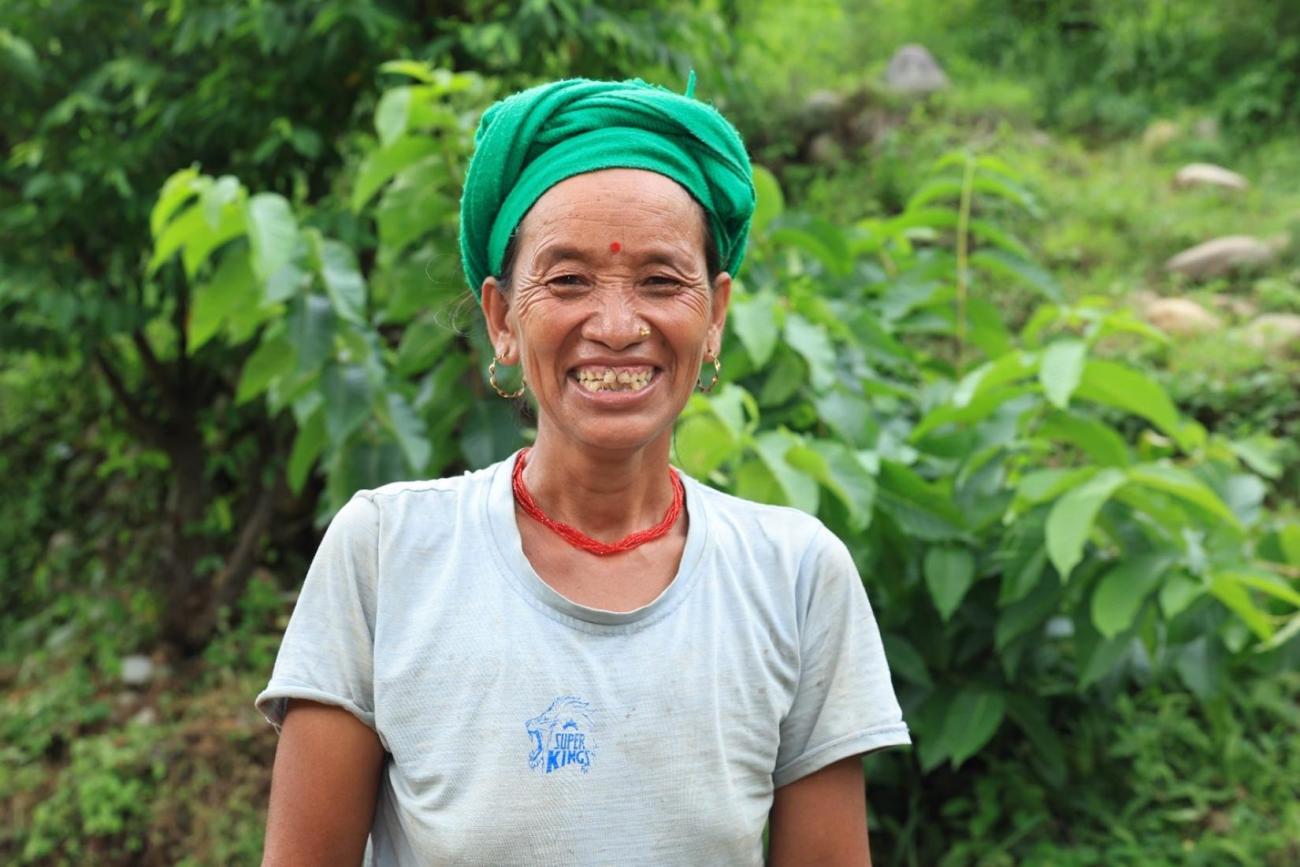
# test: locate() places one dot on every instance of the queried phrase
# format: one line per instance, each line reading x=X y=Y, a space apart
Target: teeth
x=609 y=379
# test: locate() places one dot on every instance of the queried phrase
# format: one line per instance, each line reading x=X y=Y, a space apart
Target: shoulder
x=780 y=534
x=428 y=507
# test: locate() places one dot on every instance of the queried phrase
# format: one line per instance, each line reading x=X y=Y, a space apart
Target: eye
x=663 y=282
x=566 y=284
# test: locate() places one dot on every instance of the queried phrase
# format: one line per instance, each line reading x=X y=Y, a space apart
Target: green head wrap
x=534 y=139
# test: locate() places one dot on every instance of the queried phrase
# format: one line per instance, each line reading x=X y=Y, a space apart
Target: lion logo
x=561 y=736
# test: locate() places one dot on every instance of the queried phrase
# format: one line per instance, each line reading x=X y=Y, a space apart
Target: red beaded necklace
x=579 y=539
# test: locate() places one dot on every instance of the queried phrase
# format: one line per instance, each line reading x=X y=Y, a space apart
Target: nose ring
x=644 y=332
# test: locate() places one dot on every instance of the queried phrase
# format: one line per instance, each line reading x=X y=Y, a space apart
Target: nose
x=614 y=321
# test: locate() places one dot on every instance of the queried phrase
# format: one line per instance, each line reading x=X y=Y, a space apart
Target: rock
x=145 y=716
x=822 y=107
x=824 y=149
x=1241 y=308
x=1180 y=317
x=1221 y=256
x=914 y=70
x=1159 y=135
x=1275 y=332
x=137 y=669
x=1208 y=175
x=1206 y=129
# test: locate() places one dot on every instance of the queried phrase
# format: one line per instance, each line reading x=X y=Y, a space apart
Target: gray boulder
x=1279 y=332
x=913 y=70
x=1222 y=256
x=1209 y=175
x=137 y=670
x=1180 y=317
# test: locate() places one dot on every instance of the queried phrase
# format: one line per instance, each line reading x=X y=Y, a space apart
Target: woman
x=580 y=655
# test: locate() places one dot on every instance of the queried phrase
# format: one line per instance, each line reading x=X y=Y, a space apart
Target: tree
x=104 y=101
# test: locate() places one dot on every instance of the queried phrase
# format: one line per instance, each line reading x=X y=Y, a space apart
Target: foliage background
x=230 y=296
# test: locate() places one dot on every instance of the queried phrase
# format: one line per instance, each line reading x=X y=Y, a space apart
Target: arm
x=821 y=819
x=323 y=788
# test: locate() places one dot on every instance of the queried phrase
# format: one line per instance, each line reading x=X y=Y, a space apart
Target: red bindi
x=615 y=246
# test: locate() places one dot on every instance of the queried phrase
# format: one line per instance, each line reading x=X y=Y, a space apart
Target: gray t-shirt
x=523 y=728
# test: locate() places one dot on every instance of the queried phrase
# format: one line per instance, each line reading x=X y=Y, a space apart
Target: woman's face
x=609 y=310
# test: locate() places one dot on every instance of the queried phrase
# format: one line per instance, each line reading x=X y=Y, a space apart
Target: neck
x=605 y=493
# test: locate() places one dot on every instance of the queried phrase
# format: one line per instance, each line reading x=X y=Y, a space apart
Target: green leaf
x=983 y=406
x=347 y=399
x=919 y=508
x=308 y=444
x=392 y=113
x=176 y=235
x=1288 y=538
x=800 y=491
x=1028 y=613
x=703 y=443
x=849 y=415
x=272 y=359
x=229 y=226
x=232 y=288
x=1123 y=588
x=784 y=379
x=1061 y=370
x=1039 y=486
x=1030 y=717
x=812 y=342
x=1202 y=665
x=1185 y=486
x=754 y=322
x=176 y=191
x=839 y=469
x=1226 y=587
x=381 y=165
x=770 y=203
x=342 y=277
x=949 y=573
x=1178 y=592
x=310 y=327
x=1260 y=452
x=272 y=231
x=822 y=239
x=1000 y=263
x=424 y=342
x=1265 y=582
x=1112 y=384
x=905 y=660
x=988 y=376
x=973 y=718
x=1070 y=521
x=409 y=432
x=411 y=68
x=1093 y=438
x=1098 y=656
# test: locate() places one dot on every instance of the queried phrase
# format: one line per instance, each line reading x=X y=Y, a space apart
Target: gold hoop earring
x=492 y=381
x=717 y=372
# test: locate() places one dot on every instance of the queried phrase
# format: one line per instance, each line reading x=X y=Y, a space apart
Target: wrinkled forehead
x=626 y=208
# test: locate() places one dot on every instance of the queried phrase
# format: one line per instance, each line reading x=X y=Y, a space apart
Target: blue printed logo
x=562 y=736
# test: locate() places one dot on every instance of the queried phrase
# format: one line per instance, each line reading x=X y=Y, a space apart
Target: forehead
x=625 y=205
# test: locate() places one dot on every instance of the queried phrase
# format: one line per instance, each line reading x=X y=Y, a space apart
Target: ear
x=496 y=310
x=718 y=315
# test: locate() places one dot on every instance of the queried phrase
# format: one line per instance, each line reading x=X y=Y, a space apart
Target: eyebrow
x=656 y=255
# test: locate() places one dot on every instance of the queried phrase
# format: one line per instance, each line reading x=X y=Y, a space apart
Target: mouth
x=599 y=378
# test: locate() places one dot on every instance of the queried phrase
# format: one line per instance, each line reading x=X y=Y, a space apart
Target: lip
x=614 y=398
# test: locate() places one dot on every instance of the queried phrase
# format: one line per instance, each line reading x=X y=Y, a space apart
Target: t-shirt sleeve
x=328 y=648
x=844 y=703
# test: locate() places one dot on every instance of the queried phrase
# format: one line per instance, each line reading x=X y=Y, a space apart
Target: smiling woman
x=581 y=655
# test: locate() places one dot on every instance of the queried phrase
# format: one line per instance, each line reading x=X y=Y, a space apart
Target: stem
x=963 y=254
